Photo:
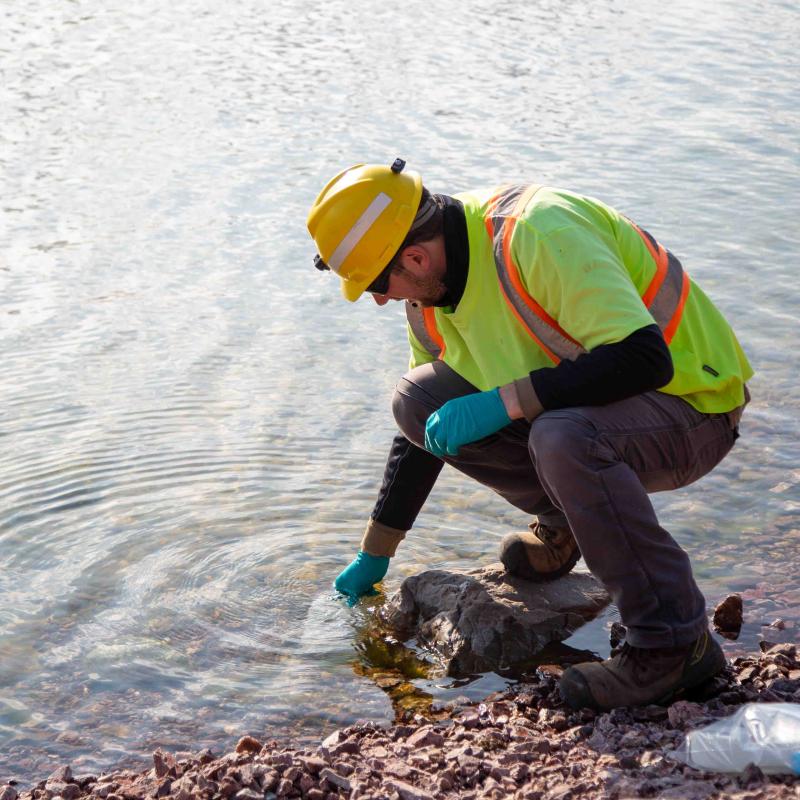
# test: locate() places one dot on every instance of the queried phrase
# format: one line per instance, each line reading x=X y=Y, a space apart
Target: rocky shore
x=523 y=744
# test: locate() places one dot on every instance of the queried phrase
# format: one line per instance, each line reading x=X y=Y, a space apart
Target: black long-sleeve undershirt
x=639 y=363
x=610 y=372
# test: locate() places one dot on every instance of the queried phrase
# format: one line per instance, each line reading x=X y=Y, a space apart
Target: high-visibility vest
x=664 y=297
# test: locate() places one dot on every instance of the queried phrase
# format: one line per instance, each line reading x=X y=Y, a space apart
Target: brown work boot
x=639 y=676
x=541 y=555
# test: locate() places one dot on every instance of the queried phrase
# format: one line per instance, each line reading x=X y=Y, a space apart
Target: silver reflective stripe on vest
x=667 y=300
x=502 y=213
x=417 y=322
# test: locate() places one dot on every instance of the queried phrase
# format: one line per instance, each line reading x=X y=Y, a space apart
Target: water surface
x=193 y=424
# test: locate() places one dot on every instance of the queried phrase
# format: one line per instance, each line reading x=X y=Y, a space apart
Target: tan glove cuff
x=528 y=399
x=380 y=539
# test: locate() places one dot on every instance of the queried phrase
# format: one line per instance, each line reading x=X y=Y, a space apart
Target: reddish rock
x=305 y=784
x=425 y=736
x=312 y=764
x=248 y=744
x=727 y=618
x=284 y=787
x=682 y=712
x=161 y=763
x=334 y=779
x=228 y=787
x=248 y=794
x=407 y=791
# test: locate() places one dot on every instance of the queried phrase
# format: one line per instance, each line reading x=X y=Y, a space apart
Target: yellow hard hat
x=359 y=221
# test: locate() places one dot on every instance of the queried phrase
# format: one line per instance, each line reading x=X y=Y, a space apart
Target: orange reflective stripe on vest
x=423 y=326
x=664 y=297
x=501 y=219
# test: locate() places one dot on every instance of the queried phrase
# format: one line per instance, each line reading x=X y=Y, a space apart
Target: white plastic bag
x=764 y=734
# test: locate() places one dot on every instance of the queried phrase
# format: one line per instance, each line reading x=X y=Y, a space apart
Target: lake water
x=193 y=423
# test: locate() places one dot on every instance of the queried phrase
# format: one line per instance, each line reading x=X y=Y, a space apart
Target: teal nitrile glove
x=463 y=420
x=358 y=577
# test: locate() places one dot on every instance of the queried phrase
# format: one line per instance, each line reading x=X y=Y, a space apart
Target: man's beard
x=429 y=289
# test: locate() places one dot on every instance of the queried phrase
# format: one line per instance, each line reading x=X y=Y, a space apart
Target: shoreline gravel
x=521 y=743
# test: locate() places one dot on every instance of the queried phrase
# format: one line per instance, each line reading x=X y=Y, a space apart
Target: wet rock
x=485 y=619
x=727 y=618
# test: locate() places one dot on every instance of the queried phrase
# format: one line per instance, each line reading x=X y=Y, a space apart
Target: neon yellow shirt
x=587 y=266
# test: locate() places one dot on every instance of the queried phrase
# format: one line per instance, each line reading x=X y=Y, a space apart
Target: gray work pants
x=591 y=467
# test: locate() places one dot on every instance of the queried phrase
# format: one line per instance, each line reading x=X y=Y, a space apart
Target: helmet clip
x=397 y=166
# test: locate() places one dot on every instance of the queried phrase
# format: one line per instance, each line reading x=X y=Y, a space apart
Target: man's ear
x=415 y=258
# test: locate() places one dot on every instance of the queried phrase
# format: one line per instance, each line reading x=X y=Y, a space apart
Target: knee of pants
x=422 y=391
x=557 y=440
x=410 y=414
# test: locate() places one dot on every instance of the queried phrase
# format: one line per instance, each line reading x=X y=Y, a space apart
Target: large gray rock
x=486 y=620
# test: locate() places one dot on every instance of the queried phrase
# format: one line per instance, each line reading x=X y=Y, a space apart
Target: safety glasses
x=381 y=284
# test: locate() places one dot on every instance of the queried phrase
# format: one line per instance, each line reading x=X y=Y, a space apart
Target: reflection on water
x=193 y=425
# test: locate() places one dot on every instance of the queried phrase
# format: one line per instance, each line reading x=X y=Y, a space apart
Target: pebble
x=248 y=744
x=728 y=615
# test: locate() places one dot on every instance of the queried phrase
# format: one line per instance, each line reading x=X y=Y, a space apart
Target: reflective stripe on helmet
x=379 y=203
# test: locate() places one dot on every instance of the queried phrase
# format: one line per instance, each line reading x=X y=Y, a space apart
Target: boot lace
x=545 y=533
